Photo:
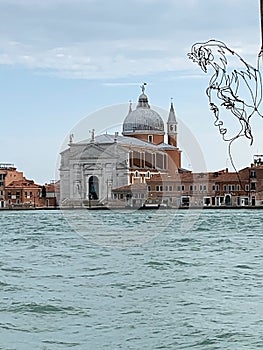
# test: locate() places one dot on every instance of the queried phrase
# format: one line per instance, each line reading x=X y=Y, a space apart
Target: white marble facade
x=89 y=170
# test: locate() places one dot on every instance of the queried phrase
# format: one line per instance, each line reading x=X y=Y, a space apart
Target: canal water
x=131 y=280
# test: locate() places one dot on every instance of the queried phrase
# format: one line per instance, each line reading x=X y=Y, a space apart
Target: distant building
x=187 y=189
x=91 y=169
x=129 y=169
x=23 y=193
x=8 y=173
x=18 y=192
x=51 y=196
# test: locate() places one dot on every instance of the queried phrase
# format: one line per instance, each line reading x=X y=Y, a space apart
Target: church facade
x=92 y=171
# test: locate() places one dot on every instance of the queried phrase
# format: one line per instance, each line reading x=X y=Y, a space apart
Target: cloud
x=110 y=59
x=92 y=39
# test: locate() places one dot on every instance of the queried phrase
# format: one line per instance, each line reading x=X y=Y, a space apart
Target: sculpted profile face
x=234 y=88
x=201 y=55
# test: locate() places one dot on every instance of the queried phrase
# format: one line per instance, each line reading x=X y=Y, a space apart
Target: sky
x=63 y=62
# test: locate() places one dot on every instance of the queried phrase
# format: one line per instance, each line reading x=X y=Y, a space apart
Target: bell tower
x=172 y=127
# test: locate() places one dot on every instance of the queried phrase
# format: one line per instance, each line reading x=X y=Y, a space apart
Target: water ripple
x=198 y=289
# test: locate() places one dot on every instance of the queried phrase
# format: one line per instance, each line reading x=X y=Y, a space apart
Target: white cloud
x=110 y=59
x=106 y=59
x=83 y=39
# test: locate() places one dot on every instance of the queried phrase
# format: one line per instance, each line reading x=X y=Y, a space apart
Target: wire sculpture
x=235 y=87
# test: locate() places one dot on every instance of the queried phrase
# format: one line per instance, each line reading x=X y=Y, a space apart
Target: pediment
x=94 y=151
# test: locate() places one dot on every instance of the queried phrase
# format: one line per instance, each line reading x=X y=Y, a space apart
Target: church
x=115 y=170
x=142 y=166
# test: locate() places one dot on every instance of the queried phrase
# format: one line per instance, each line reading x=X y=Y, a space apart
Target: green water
x=131 y=280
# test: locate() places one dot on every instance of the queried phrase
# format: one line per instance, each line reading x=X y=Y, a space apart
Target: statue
x=143 y=87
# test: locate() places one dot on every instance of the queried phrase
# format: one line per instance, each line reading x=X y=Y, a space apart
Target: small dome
x=143 y=99
x=143 y=119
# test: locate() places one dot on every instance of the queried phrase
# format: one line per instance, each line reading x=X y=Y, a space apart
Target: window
x=201 y=187
x=170 y=188
x=149 y=188
x=165 y=161
x=215 y=187
x=247 y=187
x=191 y=188
x=149 y=160
x=225 y=188
x=182 y=187
x=150 y=138
x=136 y=159
x=1 y=183
x=148 y=174
x=17 y=194
x=159 y=188
x=238 y=187
x=252 y=174
x=136 y=174
x=253 y=186
x=9 y=195
x=159 y=160
x=244 y=201
x=204 y=187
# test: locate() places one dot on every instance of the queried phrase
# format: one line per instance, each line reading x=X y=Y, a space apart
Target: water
x=195 y=288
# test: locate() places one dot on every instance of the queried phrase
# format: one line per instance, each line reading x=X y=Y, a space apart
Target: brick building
x=186 y=189
x=23 y=193
x=18 y=192
x=8 y=173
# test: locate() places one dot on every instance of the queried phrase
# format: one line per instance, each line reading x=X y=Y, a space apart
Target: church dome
x=143 y=119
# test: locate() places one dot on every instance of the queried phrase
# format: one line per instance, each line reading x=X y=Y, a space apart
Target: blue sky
x=61 y=60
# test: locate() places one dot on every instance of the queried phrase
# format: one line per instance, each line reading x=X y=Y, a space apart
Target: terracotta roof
x=130 y=188
x=23 y=183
